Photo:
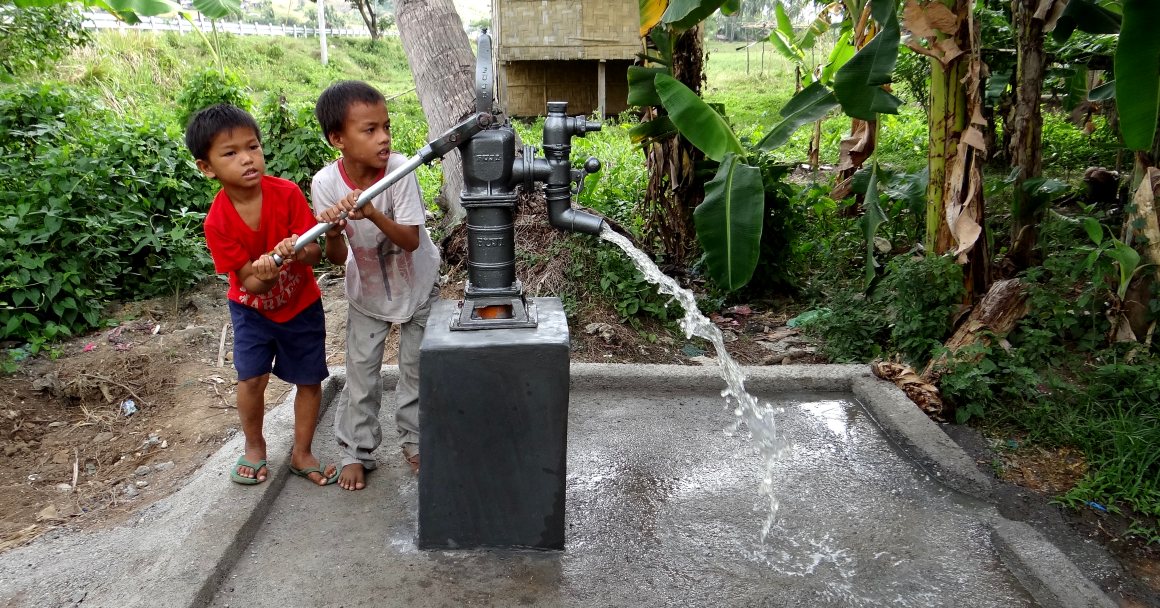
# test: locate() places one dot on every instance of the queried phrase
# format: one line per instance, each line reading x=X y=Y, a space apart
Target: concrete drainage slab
x=664 y=509
x=877 y=507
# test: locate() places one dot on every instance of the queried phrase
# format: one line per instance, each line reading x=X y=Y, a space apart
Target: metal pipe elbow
x=567 y=218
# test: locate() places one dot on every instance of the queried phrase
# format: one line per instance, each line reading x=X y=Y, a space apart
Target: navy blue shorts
x=294 y=350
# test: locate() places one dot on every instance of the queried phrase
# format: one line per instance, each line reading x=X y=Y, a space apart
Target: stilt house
x=576 y=51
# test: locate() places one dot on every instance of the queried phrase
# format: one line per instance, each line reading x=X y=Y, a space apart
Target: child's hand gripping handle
x=438 y=148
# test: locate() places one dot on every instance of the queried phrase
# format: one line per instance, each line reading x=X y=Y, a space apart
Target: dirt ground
x=119 y=418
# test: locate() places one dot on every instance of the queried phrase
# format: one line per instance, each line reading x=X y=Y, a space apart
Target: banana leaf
x=1137 y=67
x=686 y=14
x=659 y=127
x=810 y=104
x=842 y=52
x=858 y=84
x=642 y=89
x=729 y=222
x=217 y=9
x=650 y=14
x=700 y=124
x=1086 y=16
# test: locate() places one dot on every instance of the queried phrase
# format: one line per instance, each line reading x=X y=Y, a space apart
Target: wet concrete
x=664 y=509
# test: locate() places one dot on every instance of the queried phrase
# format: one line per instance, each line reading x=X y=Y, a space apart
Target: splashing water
x=757 y=416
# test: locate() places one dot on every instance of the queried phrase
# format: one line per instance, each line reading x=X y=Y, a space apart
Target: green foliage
x=212 y=87
x=1067 y=148
x=1056 y=379
x=908 y=312
x=921 y=296
x=630 y=294
x=292 y=141
x=95 y=207
x=852 y=328
x=32 y=39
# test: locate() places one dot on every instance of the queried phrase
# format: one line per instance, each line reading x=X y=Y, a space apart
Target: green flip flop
x=242 y=479
x=318 y=469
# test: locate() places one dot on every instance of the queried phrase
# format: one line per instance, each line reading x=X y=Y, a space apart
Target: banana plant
x=729 y=221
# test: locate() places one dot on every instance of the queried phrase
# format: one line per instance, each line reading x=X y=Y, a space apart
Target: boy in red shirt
x=276 y=311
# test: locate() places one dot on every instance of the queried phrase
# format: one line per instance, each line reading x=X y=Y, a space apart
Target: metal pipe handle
x=438 y=148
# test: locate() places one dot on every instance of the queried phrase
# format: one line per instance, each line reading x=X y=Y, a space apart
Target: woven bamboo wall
x=526 y=86
x=548 y=50
x=535 y=30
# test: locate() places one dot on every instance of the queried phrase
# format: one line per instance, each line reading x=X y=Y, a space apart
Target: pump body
x=494 y=366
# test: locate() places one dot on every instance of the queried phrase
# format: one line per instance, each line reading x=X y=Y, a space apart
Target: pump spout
x=563 y=216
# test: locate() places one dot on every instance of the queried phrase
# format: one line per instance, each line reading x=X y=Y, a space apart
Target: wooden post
x=601 y=90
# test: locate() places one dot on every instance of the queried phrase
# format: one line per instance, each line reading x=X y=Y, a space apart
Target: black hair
x=336 y=100
x=215 y=119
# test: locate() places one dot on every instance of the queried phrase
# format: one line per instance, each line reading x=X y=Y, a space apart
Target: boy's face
x=235 y=159
x=366 y=135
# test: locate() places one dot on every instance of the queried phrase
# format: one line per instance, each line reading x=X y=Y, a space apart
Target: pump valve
x=592 y=165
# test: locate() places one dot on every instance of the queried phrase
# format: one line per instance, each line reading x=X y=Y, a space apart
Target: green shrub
x=292 y=141
x=852 y=328
x=33 y=38
x=908 y=312
x=94 y=208
x=921 y=296
x=212 y=87
x=628 y=291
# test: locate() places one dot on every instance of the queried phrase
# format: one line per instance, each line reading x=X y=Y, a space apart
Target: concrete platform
x=877 y=507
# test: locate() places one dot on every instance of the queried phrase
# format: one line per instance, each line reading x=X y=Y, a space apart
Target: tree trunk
x=955 y=214
x=1026 y=124
x=997 y=313
x=673 y=191
x=444 y=71
x=366 y=10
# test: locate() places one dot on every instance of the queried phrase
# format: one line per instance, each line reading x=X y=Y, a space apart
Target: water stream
x=757 y=416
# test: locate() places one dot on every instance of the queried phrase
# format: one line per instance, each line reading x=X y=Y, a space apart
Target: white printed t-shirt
x=383 y=280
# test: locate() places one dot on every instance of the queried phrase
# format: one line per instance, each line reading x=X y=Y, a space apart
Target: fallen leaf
x=922 y=393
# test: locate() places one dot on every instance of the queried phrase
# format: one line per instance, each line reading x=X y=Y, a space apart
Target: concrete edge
x=920 y=438
x=782 y=378
x=194 y=519
x=256 y=507
x=1044 y=571
x=1051 y=578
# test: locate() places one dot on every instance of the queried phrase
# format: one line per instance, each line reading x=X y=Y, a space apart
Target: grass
x=138 y=72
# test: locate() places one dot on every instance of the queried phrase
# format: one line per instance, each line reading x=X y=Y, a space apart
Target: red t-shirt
x=232 y=243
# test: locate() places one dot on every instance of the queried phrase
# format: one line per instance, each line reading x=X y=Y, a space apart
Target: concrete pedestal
x=494 y=427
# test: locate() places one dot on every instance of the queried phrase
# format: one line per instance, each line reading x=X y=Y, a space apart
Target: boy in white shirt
x=391 y=271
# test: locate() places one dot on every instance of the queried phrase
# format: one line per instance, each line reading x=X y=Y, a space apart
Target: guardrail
x=105 y=21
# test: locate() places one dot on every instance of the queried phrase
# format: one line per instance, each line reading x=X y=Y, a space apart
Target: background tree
x=376 y=14
x=443 y=67
x=944 y=31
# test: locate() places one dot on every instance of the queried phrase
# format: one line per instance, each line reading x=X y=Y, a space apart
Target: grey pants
x=356 y=420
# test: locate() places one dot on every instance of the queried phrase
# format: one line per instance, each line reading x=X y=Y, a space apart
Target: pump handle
x=438 y=148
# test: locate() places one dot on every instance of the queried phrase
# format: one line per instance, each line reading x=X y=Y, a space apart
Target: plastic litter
x=806 y=317
x=128 y=407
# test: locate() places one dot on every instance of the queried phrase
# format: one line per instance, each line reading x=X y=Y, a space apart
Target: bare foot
x=308 y=461
x=352 y=477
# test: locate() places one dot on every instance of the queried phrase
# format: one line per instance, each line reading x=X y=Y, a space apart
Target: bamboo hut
x=564 y=50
